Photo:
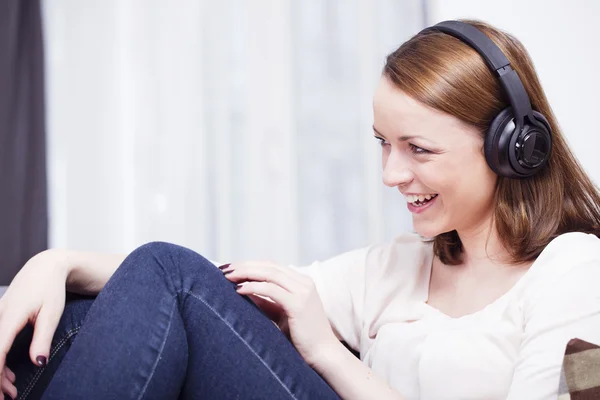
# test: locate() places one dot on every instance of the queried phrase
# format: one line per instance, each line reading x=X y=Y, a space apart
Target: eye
x=418 y=150
x=382 y=141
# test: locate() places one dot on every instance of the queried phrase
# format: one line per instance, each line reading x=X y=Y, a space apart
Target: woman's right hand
x=36 y=296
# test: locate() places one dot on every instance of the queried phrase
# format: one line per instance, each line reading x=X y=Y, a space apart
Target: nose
x=396 y=170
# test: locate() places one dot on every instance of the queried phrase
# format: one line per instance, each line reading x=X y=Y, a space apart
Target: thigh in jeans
x=32 y=380
x=169 y=325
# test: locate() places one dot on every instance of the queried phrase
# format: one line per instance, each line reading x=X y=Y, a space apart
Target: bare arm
x=36 y=296
x=296 y=303
x=351 y=378
x=87 y=272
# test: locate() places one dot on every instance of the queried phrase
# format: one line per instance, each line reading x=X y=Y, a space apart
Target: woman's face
x=436 y=161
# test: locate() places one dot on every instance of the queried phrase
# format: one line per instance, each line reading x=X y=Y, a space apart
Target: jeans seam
x=39 y=372
x=162 y=347
x=243 y=341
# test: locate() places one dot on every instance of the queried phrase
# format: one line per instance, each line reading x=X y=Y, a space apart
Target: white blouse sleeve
x=569 y=309
x=340 y=283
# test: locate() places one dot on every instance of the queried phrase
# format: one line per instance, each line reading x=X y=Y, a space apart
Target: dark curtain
x=23 y=204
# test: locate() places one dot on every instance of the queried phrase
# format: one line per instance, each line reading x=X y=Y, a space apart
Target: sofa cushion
x=580 y=376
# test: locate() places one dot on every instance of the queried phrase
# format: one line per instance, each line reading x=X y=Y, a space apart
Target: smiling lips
x=419 y=200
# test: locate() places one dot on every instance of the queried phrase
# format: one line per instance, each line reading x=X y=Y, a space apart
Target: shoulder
x=569 y=264
x=401 y=249
x=566 y=252
x=406 y=257
x=575 y=246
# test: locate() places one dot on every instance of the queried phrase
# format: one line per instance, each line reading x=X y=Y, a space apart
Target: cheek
x=462 y=181
x=385 y=154
x=436 y=177
x=470 y=187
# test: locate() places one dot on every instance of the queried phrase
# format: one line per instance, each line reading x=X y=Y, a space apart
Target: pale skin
x=423 y=152
x=444 y=156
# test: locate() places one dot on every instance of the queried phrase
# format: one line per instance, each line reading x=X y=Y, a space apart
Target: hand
x=37 y=296
x=295 y=306
x=8 y=380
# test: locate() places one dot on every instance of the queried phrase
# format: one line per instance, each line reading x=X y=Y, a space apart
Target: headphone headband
x=496 y=61
x=519 y=140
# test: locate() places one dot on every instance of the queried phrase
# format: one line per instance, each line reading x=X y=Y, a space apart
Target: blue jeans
x=167 y=325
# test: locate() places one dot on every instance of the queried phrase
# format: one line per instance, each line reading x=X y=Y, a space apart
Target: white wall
x=241 y=129
x=564 y=41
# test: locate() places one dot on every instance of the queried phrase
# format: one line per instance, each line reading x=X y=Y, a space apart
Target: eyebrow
x=403 y=138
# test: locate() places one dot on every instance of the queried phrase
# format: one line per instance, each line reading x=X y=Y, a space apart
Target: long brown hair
x=446 y=74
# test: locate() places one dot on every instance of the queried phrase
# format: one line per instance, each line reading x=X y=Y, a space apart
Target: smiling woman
x=455 y=110
x=480 y=304
x=420 y=143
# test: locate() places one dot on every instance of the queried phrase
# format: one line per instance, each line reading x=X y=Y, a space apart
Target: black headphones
x=519 y=140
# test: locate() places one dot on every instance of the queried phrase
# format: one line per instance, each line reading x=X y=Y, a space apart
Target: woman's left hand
x=295 y=307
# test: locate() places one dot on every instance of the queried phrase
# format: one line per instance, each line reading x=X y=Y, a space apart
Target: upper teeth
x=411 y=198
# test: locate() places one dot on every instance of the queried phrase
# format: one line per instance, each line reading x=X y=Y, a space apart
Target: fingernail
x=222 y=267
x=41 y=360
x=227 y=272
x=238 y=286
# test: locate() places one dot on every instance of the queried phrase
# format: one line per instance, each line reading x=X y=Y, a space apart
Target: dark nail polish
x=41 y=360
x=228 y=272
x=222 y=267
x=238 y=286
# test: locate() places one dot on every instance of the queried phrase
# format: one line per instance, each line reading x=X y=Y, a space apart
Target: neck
x=482 y=245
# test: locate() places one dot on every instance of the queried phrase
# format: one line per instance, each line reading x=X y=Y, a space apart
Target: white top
x=376 y=298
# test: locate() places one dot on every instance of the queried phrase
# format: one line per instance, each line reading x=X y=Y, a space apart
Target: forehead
x=397 y=114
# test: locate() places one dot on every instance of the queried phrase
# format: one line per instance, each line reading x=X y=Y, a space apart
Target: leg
x=168 y=325
x=32 y=380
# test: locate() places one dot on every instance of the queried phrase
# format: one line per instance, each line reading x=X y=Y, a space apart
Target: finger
x=278 y=294
x=10 y=375
x=264 y=273
x=11 y=325
x=9 y=388
x=43 y=332
x=270 y=308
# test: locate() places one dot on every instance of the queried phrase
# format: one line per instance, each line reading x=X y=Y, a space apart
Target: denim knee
x=176 y=262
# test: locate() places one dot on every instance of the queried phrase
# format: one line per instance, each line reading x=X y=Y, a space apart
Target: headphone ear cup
x=500 y=137
x=495 y=155
x=540 y=117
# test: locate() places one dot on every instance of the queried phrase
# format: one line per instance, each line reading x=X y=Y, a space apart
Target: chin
x=428 y=230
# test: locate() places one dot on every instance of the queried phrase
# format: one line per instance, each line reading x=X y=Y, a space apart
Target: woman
x=481 y=311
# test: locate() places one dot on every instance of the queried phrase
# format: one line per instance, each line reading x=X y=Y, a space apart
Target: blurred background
x=238 y=128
